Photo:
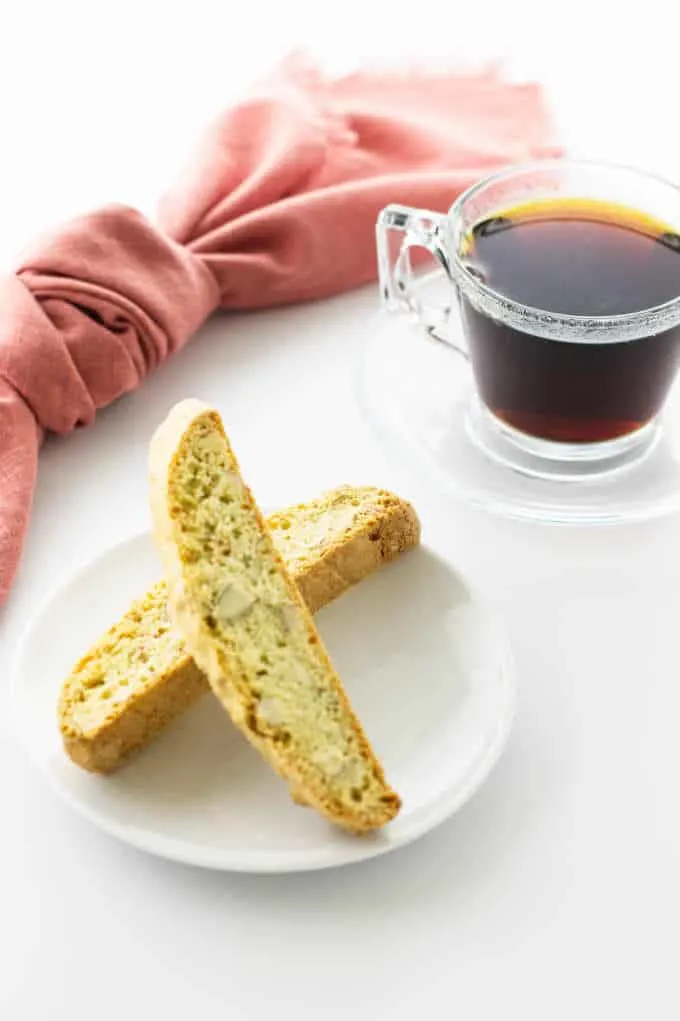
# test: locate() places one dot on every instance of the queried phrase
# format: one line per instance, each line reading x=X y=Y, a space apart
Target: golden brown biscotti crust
x=389 y=527
x=383 y=527
x=187 y=511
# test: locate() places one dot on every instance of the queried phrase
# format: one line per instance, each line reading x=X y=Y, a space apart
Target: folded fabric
x=279 y=206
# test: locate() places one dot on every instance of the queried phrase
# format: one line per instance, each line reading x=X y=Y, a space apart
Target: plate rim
x=262 y=862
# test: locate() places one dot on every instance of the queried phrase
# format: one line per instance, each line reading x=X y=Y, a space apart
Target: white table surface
x=555 y=892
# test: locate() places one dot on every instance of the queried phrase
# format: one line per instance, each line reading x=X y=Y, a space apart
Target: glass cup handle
x=399 y=229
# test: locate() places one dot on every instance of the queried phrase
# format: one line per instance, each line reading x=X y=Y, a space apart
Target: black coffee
x=579 y=257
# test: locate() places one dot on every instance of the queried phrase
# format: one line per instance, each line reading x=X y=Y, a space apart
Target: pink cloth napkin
x=279 y=206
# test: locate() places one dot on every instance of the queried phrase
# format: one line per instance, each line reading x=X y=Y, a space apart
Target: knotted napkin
x=278 y=206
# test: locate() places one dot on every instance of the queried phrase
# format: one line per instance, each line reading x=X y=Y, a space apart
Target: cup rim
x=561 y=325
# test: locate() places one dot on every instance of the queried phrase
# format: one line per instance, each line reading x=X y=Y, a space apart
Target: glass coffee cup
x=566 y=277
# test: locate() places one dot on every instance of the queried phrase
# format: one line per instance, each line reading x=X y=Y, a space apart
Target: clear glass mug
x=592 y=387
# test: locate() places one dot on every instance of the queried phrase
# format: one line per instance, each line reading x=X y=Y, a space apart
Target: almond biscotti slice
x=247 y=627
x=139 y=677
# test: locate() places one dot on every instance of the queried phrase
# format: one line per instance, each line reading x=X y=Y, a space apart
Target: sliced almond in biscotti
x=138 y=677
x=246 y=626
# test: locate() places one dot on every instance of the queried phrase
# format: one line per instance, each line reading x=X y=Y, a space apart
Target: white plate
x=425 y=664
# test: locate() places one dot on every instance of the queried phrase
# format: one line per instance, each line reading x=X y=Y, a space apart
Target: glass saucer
x=416 y=392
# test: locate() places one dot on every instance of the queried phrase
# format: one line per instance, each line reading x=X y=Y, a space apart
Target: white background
x=555 y=893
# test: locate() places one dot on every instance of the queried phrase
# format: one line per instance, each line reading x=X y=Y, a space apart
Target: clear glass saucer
x=416 y=392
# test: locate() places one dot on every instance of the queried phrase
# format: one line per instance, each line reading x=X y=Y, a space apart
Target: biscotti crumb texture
x=138 y=678
x=246 y=626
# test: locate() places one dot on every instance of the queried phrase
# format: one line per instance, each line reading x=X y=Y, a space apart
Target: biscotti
x=138 y=678
x=246 y=626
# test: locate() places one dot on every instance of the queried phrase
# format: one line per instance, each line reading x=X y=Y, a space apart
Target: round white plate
x=416 y=393
x=424 y=661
